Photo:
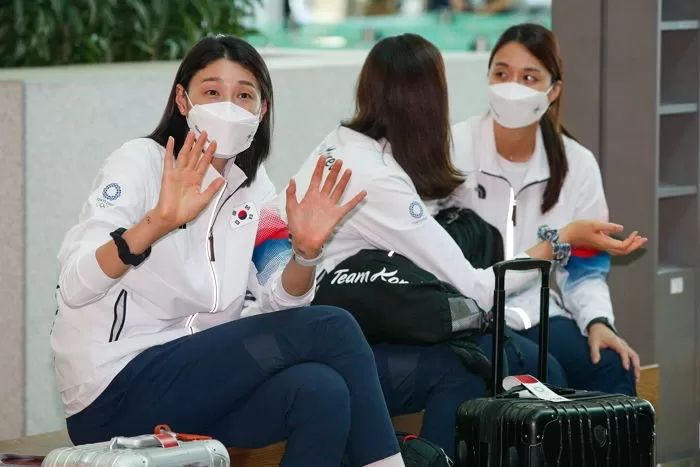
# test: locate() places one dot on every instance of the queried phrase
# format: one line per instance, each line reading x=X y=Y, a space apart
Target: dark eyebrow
x=219 y=80
x=246 y=83
x=528 y=69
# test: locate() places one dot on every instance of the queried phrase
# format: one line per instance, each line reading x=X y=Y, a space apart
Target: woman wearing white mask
x=398 y=147
x=523 y=171
x=178 y=302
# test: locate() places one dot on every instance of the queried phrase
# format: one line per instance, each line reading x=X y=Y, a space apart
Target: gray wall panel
x=12 y=254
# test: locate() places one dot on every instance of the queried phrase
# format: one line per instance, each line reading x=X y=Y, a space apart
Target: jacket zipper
x=209 y=250
x=510 y=226
x=512 y=212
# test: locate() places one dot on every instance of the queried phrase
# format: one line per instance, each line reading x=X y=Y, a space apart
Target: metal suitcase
x=590 y=429
x=141 y=451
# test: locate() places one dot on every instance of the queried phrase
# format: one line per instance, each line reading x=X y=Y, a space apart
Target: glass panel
x=452 y=25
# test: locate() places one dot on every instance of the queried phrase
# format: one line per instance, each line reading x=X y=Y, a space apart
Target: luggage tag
x=534 y=388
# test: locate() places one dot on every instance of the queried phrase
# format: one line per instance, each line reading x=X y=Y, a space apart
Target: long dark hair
x=204 y=52
x=542 y=44
x=402 y=96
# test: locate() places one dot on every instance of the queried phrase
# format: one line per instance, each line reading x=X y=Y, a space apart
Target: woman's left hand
x=312 y=221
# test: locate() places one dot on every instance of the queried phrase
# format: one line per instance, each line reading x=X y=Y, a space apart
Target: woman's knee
x=453 y=375
x=555 y=373
x=338 y=316
x=609 y=359
x=608 y=375
x=340 y=326
x=460 y=385
x=322 y=392
x=611 y=364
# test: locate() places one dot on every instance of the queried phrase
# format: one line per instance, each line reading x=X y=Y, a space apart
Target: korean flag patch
x=243 y=215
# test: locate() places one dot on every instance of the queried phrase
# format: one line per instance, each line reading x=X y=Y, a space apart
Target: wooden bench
x=269 y=456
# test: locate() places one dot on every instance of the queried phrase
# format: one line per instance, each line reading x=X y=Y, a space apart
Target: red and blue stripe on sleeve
x=272 y=246
x=586 y=264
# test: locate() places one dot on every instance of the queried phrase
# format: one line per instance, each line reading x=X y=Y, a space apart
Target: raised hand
x=312 y=221
x=181 y=199
x=597 y=235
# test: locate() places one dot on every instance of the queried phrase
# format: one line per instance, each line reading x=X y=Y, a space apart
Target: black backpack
x=392 y=299
x=480 y=242
x=395 y=301
x=419 y=452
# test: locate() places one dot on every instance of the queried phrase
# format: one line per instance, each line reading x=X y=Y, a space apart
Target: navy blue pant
x=430 y=378
x=305 y=375
x=569 y=361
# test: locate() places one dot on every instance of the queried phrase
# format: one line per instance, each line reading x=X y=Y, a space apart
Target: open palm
x=181 y=199
x=313 y=219
x=597 y=235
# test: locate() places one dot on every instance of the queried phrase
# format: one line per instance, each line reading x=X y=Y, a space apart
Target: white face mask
x=231 y=126
x=514 y=105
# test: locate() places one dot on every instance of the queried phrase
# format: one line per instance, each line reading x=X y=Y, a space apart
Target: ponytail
x=552 y=136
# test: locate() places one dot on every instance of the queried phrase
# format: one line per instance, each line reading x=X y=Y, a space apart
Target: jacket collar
x=488 y=155
x=233 y=175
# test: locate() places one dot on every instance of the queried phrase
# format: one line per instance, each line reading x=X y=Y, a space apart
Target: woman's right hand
x=180 y=198
x=596 y=235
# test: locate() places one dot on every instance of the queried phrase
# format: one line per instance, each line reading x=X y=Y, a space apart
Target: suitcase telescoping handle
x=499 y=311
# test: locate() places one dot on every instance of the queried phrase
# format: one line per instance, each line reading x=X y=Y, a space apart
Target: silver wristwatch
x=308 y=263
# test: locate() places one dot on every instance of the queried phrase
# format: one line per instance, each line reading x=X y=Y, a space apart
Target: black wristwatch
x=125 y=253
x=601 y=320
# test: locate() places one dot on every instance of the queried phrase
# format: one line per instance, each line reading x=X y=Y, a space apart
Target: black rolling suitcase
x=590 y=429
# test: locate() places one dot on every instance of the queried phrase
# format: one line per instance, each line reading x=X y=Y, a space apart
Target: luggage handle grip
x=499 y=305
x=134 y=442
x=162 y=437
x=521 y=264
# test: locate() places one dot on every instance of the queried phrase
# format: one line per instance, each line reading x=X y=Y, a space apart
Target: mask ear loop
x=188 y=98
x=554 y=83
x=259 y=114
x=187 y=118
x=546 y=93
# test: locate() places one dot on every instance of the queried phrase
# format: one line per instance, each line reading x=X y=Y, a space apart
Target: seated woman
x=398 y=147
x=178 y=303
x=524 y=170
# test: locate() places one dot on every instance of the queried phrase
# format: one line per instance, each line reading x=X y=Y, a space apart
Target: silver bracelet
x=308 y=263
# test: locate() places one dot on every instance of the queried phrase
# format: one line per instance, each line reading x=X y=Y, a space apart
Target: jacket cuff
x=601 y=320
x=585 y=319
x=283 y=300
